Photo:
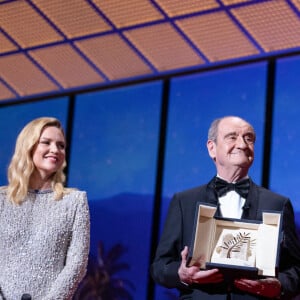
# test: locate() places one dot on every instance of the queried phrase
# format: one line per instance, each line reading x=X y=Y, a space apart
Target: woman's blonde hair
x=21 y=166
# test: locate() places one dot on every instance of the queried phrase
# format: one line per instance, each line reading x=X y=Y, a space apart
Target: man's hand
x=189 y=275
x=269 y=287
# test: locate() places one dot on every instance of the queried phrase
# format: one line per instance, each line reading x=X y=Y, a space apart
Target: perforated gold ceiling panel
x=178 y=7
x=296 y=3
x=163 y=47
x=24 y=76
x=5 y=44
x=6 y=93
x=66 y=66
x=229 y=2
x=25 y=26
x=116 y=59
x=74 y=18
x=50 y=47
x=217 y=36
x=272 y=24
x=130 y=12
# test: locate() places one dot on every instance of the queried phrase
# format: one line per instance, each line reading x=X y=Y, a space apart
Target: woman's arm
x=77 y=256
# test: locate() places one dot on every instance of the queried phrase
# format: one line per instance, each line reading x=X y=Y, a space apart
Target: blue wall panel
x=113 y=158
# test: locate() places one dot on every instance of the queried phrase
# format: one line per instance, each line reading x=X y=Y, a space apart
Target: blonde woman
x=44 y=227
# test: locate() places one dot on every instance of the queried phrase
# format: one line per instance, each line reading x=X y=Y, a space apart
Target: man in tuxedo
x=231 y=146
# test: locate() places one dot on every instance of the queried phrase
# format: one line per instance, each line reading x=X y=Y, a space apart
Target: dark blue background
x=114 y=148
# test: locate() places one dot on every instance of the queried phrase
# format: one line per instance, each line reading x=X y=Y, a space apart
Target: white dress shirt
x=231 y=204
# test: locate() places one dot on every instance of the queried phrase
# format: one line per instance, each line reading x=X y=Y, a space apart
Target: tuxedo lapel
x=251 y=205
x=212 y=197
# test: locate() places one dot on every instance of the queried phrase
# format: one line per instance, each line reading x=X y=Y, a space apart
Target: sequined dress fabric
x=44 y=245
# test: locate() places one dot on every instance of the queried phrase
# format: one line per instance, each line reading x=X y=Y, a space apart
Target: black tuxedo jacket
x=178 y=230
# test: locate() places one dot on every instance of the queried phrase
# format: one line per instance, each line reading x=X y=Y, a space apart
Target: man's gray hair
x=214 y=127
x=213 y=130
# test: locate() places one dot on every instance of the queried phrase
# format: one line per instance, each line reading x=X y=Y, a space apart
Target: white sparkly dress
x=44 y=245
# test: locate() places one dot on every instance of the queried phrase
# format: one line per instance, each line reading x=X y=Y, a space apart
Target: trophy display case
x=239 y=248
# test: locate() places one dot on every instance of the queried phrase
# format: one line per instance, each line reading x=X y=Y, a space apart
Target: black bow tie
x=241 y=187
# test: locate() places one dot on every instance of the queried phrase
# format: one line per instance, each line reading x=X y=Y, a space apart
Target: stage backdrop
x=113 y=154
